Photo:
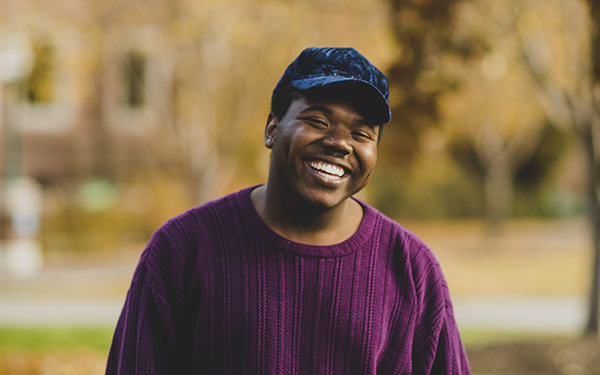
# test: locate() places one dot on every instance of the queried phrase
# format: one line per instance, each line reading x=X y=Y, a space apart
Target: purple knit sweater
x=218 y=292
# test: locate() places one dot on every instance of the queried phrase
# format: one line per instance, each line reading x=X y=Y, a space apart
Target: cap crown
x=316 y=67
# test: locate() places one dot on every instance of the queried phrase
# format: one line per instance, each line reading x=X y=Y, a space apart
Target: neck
x=300 y=222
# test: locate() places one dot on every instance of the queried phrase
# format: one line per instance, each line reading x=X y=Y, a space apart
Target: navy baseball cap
x=320 y=67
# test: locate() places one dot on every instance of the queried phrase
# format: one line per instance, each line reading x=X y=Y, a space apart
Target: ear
x=270 y=128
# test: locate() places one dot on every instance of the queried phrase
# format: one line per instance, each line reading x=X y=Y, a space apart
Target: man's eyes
x=315 y=121
x=362 y=135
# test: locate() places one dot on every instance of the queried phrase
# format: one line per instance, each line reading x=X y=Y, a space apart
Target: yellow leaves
x=496 y=91
x=493 y=66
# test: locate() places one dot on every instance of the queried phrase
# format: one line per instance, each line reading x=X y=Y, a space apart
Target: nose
x=338 y=140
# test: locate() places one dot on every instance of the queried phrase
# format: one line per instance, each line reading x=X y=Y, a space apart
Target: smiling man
x=295 y=276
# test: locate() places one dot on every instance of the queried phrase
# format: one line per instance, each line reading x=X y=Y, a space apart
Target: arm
x=450 y=357
x=146 y=339
x=438 y=349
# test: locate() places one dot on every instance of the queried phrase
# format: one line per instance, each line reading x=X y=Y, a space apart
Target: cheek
x=369 y=158
x=295 y=141
x=284 y=148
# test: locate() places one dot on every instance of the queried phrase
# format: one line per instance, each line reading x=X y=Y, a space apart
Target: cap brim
x=381 y=111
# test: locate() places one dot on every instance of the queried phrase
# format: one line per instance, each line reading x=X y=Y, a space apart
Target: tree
x=566 y=71
x=494 y=126
x=463 y=77
x=421 y=33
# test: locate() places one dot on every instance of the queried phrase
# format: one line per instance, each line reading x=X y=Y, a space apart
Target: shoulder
x=202 y=219
x=410 y=251
x=178 y=240
x=399 y=237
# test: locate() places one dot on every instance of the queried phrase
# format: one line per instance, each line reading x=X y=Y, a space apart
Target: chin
x=324 y=201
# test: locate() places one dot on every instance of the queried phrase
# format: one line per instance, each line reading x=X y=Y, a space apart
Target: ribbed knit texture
x=218 y=292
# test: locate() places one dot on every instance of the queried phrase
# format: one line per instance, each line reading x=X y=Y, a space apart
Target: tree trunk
x=587 y=137
x=594 y=214
x=498 y=194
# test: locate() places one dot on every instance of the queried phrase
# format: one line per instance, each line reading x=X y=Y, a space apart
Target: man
x=295 y=276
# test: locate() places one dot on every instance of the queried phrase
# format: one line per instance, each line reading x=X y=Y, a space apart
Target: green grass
x=56 y=338
x=100 y=338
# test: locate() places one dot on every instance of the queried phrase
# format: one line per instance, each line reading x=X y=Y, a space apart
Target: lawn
x=61 y=338
x=53 y=351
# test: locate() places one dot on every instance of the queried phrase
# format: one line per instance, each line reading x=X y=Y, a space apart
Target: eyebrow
x=319 y=108
x=367 y=123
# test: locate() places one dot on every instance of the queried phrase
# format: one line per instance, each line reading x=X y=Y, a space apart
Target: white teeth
x=327 y=168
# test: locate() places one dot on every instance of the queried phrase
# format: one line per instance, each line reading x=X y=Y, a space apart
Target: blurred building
x=93 y=100
x=64 y=124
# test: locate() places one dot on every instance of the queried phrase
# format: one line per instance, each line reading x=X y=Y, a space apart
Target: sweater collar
x=347 y=247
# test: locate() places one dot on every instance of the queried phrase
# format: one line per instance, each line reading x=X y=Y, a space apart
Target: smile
x=327 y=169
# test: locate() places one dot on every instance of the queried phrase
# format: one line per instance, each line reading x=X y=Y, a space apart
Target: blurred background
x=117 y=115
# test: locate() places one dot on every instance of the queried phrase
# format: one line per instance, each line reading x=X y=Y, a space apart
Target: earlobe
x=270 y=128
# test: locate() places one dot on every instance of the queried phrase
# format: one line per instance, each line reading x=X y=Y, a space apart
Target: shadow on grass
x=508 y=353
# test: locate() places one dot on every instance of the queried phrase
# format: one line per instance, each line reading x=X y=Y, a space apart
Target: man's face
x=323 y=150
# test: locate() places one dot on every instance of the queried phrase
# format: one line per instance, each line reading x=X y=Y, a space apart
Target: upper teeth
x=327 y=168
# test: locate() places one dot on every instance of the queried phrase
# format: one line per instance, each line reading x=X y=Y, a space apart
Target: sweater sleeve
x=438 y=349
x=147 y=338
x=450 y=356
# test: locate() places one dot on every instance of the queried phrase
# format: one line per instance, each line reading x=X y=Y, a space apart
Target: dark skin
x=324 y=151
